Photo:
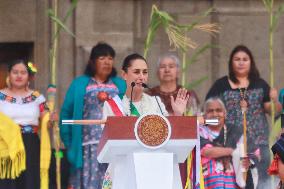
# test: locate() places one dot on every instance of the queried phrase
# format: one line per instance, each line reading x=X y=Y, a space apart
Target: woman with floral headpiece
x=21 y=108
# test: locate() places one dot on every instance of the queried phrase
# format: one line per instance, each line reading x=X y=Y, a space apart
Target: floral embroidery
x=107 y=183
x=43 y=107
x=31 y=98
x=7 y=98
x=24 y=100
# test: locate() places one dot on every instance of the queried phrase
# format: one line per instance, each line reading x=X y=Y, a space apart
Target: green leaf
x=195 y=83
x=166 y=16
x=190 y=26
x=206 y=13
x=276 y=17
x=197 y=53
x=58 y=21
x=70 y=10
x=68 y=14
x=50 y=12
x=268 y=4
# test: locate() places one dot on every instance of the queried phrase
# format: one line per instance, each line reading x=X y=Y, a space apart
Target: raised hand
x=179 y=104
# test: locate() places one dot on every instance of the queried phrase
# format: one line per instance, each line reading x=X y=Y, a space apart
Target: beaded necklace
x=243 y=101
x=225 y=135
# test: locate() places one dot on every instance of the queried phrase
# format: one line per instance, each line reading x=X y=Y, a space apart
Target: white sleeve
x=40 y=99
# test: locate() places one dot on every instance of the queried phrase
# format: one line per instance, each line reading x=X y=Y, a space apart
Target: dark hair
x=101 y=49
x=129 y=59
x=253 y=72
x=19 y=61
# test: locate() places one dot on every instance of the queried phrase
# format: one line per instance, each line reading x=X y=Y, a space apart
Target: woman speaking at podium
x=137 y=103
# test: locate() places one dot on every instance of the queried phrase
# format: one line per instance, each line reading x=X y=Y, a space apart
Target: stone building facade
x=25 y=31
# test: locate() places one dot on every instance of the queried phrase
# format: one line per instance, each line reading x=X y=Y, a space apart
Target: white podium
x=134 y=166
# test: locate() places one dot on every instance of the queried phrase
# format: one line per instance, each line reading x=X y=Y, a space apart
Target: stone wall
x=124 y=25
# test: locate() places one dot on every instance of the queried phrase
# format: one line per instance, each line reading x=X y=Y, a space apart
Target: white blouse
x=147 y=105
x=24 y=111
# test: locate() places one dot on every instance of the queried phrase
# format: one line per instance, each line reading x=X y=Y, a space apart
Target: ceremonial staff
x=244 y=105
x=52 y=101
x=52 y=97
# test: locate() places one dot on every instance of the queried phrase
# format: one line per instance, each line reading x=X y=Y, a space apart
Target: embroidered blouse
x=23 y=110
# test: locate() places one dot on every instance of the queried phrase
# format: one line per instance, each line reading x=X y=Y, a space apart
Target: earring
x=8 y=83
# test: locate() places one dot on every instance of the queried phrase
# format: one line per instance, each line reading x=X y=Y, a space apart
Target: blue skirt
x=92 y=174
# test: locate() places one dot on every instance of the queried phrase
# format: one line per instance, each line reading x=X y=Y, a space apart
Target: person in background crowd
x=277 y=165
x=244 y=90
x=168 y=70
x=84 y=100
x=168 y=73
x=21 y=109
x=216 y=156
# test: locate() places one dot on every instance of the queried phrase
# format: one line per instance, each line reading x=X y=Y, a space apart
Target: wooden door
x=3 y=75
x=12 y=51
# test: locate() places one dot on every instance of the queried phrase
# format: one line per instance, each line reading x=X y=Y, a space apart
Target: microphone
x=146 y=86
x=131 y=94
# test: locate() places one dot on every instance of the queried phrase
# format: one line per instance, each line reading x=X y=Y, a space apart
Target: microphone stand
x=146 y=87
x=131 y=94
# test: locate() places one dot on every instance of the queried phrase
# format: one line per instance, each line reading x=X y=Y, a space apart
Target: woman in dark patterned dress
x=244 y=89
x=84 y=100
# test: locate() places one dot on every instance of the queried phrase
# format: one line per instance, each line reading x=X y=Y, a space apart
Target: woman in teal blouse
x=84 y=100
